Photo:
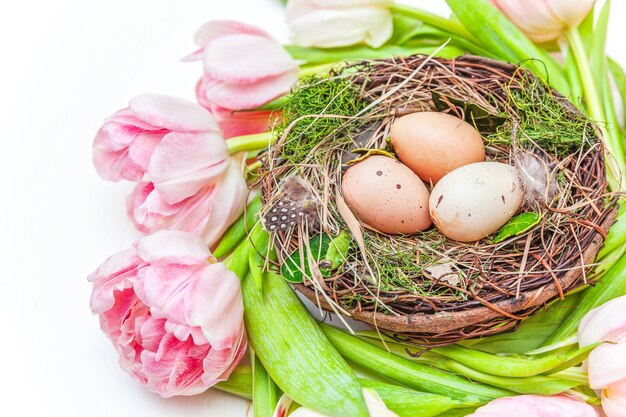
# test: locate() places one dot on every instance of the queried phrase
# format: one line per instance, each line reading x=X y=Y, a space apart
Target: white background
x=66 y=65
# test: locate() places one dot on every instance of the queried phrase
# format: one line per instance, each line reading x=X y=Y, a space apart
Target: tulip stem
x=431 y=19
x=239 y=383
x=249 y=142
x=615 y=159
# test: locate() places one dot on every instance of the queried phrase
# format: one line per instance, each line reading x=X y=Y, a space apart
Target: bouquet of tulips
x=198 y=292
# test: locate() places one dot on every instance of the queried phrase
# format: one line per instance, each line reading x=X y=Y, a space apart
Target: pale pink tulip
x=244 y=68
x=606 y=323
x=175 y=318
x=614 y=399
x=536 y=406
x=207 y=214
x=175 y=142
x=335 y=23
x=606 y=364
x=545 y=20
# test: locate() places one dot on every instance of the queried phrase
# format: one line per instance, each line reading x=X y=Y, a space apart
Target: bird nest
x=424 y=287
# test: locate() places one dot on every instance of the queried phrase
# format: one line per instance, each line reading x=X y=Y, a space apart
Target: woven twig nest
x=387 y=281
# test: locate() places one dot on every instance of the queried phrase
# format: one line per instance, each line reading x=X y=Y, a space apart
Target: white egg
x=475 y=200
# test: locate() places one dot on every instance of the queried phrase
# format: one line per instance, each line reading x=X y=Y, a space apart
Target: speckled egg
x=433 y=144
x=386 y=195
x=475 y=200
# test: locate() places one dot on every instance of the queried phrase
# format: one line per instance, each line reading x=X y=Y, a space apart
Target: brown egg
x=387 y=196
x=433 y=144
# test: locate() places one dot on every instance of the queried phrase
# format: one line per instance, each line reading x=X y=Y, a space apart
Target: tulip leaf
x=475 y=115
x=517 y=225
x=499 y=35
x=329 y=254
x=404 y=29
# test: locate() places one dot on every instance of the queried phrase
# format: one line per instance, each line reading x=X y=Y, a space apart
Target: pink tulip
x=244 y=68
x=606 y=364
x=606 y=323
x=175 y=318
x=335 y=23
x=545 y=20
x=175 y=142
x=207 y=214
x=536 y=406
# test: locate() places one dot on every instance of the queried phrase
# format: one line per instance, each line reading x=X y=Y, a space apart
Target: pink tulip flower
x=606 y=364
x=174 y=316
x=545 y=20
x=207 y=214
x=244 y=68
x=335 y=23
x=175 y=142
x=536 y=406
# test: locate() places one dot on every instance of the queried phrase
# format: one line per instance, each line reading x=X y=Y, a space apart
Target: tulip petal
x=173 y=247
x=349 y=3
x=226 y=206
x=605 y=323
x=113 y=165
x=330 y=28
x=248 y=96
x=614 y=399
x=534 y=17
x=219 y=364
x=140 y=151
x=172 y=113
x=607 y=365
x=115 y=274
x=184 y=163
x=245 y=59
x=215 y=29
x=238 y=123
x=572 y=13
x=536 y=406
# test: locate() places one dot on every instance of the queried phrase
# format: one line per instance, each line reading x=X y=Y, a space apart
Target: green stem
x=249 y=142
x=615 y=159
x=592 y=97
x=239 y=383
x=265 y=393
x=511 y=366
x=438 y=22
x=408 y=373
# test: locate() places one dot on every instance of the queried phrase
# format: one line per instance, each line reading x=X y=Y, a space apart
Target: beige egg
x=475 y=200
x=386 y=195
x=433 y=144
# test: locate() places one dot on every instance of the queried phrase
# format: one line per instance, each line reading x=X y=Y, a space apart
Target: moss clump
x=544 y=119
x=319 y=110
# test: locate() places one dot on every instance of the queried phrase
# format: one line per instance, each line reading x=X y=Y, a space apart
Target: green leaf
x=533 y=331
x=338 y=250
x=598 y=45
x=329 y=253
x=499 y=35
x=295 y=352
x=617 y=72
x=517 y=225
x=404 y=29
x=265 y=393
x=611 y=284
x=405 y=372
x=475 y=115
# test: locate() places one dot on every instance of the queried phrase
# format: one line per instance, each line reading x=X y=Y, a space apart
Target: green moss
x=544 y=119
x=318 y=111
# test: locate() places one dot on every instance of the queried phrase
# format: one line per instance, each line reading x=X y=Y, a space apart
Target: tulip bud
x=545 y=20
x=335 y=23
